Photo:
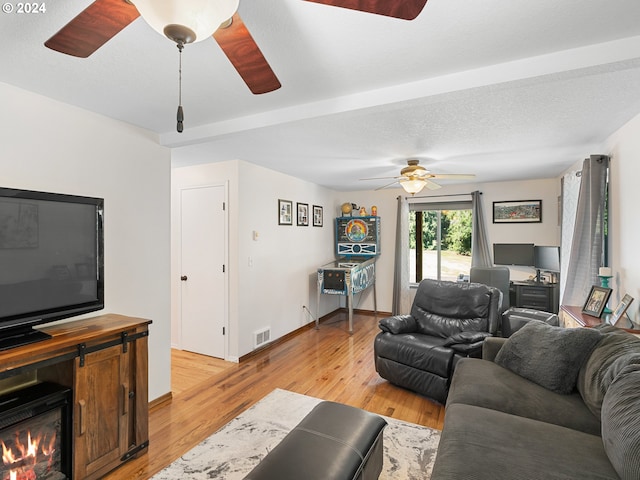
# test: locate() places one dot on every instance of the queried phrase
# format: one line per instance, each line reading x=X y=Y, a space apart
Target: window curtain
x=401 y=295
x=570 y=192
x=587 y=246
x=480 y=251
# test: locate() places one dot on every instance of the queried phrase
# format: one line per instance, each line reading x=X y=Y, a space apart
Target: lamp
x=413 y=185
x=186 y=21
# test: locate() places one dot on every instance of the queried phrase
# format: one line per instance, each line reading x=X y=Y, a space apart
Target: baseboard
x=370 y=313
x=309 y=325
x=161 y=400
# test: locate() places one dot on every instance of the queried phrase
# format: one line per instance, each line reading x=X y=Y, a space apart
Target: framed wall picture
x=303 y=214
x=285 y=212
x=596 y=301
x=317 y=216
x=517 y=211
x=622 y=307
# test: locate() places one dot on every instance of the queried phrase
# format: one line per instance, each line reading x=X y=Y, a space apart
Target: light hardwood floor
x=327 y=363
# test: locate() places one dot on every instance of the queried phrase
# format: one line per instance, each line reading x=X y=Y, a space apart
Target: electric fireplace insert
x=35 y=433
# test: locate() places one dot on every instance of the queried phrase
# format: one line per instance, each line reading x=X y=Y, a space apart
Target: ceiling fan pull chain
x=180 y=116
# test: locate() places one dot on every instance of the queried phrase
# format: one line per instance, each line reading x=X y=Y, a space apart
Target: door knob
x=183 y=278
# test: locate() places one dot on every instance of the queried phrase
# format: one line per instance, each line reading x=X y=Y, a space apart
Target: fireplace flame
x=22 y=462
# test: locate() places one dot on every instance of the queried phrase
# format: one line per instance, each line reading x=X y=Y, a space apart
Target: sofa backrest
x=443 y=308
x=616 y=350
x=621 y=423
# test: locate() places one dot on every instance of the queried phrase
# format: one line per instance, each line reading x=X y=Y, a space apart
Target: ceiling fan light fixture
x=413 y=185
x=188 y=21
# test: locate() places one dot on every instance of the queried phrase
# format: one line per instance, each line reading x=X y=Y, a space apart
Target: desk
x=571 y=316
x=537 y=296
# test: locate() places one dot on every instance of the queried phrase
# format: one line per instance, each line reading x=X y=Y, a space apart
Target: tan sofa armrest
x=491 y=347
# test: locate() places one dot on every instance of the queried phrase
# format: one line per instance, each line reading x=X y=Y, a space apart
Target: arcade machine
x=357 y=249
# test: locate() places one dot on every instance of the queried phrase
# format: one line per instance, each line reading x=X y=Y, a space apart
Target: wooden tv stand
x=104 y=361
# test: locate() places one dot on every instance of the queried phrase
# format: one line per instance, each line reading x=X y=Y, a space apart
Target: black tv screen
x=547 y=258
x=51 y=260
x=520 y=254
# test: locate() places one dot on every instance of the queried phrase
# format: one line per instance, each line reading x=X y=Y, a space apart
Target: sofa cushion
x=616 y=349
x=549 y=356
x=398 y=324
x=466 y=338
x=621 y=423
x=484 y=384
x=479 y=443
x=444 y=308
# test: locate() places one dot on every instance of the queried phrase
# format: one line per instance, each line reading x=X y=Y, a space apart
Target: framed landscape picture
x=285 y=213
x=517 y=211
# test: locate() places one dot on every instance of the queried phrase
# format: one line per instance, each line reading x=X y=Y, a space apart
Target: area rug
x=231 y=452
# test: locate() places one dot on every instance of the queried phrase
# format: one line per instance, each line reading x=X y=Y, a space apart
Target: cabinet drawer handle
x=82 y=414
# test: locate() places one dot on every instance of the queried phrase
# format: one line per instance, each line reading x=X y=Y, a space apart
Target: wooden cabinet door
x=101 y=411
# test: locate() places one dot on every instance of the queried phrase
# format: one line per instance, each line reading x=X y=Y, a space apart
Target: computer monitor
x=520 y=254
x=547 y=258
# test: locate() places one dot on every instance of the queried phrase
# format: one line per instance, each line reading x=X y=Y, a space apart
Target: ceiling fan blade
x=245 y=55
x=385 y=186
x=457 y=176
x=431 y=185
x=93 y=27
x=378 y=178
x=403 y=9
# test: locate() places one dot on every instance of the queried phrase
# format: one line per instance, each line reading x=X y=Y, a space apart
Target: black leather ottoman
x=333 y=442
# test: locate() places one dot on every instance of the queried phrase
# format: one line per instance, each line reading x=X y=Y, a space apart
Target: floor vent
x=262 y=337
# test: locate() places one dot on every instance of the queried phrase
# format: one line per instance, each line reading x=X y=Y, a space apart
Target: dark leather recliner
x=448 y=321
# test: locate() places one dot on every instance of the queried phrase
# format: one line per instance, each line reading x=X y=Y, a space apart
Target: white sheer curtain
x=587 y=247
x=480 y=251
x=570 y=191
x=401 y=294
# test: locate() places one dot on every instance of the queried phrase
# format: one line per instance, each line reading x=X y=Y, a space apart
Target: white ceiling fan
x=414 y=177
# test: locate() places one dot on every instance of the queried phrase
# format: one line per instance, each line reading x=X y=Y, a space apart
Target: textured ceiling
x=502 y=89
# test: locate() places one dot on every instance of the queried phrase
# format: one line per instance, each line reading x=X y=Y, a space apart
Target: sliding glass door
x=439 y=240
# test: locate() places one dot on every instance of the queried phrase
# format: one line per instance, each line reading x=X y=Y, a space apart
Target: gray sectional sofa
x=547 y=403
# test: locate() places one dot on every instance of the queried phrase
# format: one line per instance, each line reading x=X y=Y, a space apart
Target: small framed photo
x=596 y=301
x=303 y=214
x=620 y=310
x=285 y=212
x=317 y=216
x=517 y=211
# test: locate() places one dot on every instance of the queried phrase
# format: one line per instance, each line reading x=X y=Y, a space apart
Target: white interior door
x=203 y=270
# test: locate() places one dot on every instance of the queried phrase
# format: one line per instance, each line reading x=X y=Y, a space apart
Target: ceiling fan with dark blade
x=104 y=19
x=414 y=177
x=405 y=10
x=184 y=24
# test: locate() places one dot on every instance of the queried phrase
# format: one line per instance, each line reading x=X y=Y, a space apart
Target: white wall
x=49 y=146
x=271 y=278
x=624 y=230
x=545 y=233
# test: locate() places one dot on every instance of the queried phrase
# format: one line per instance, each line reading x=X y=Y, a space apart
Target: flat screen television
x=51 y=261
x=547 y=258
x=520 y=254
